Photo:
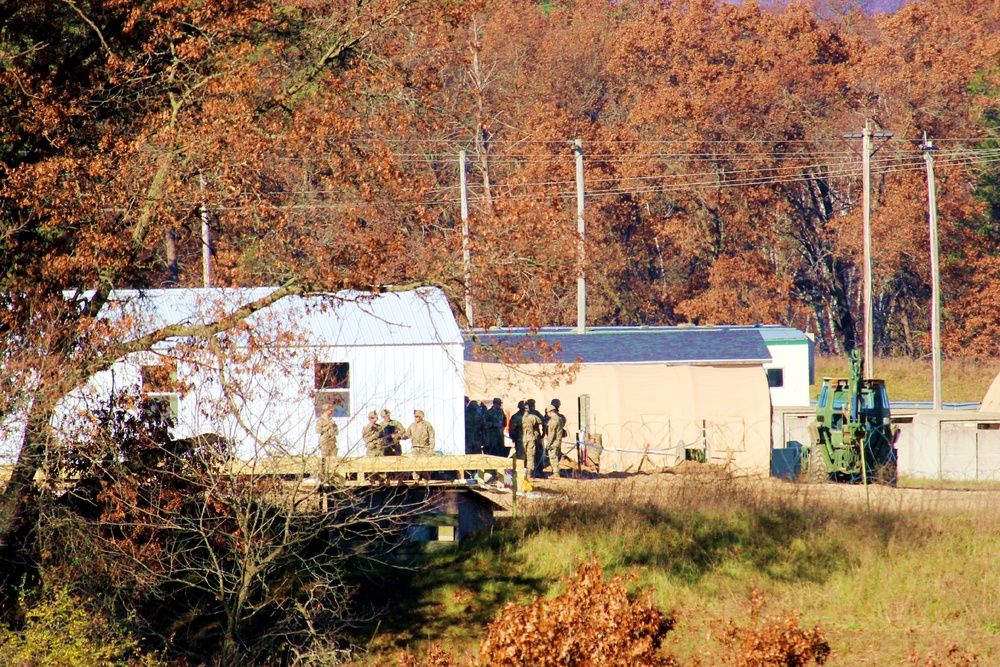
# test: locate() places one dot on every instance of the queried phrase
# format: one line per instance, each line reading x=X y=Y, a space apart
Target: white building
x=792 y=367
x=262 y=385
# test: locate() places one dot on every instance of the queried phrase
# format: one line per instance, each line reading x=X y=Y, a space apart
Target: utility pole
x=866 y=166
x=206 y=242
x=928 y=148
x=466 y=257
x=581 y=282
x=866 y=187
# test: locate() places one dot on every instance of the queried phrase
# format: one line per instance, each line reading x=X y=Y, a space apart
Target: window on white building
x=775 y=377
x=160 y=391
x=332 y=382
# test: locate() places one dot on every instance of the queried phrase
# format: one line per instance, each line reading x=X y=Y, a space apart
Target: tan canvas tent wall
x=648 y=413
x=991 y=401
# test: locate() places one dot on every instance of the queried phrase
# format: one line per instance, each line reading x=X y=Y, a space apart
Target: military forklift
x=852 y=437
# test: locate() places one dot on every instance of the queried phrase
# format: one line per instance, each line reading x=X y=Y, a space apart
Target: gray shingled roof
x=638 y=345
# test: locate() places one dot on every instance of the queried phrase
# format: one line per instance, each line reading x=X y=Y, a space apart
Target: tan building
x=652 y=396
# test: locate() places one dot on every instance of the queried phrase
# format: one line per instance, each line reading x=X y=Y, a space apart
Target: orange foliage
x=320 y=140
x=326 y=136
x=773 y=640
x=955 y=656
x=593 y=623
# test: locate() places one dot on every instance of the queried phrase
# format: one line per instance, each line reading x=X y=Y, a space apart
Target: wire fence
x=643 y=445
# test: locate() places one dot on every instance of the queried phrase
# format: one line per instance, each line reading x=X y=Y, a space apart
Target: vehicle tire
x=817 y=472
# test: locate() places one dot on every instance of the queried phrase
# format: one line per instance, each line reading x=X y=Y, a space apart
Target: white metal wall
x=794 y=360
x=946 y=444
x=265 y=405
x=403 y=379
x=951 y=444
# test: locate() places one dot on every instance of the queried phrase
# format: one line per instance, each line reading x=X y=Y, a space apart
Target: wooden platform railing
x=359 y=470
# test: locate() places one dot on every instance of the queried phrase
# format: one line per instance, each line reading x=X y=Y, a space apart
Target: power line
x=893 y=162
x=563 y=142
x=826 y=169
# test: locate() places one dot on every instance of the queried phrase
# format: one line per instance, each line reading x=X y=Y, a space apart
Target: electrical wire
x=808 y=166
x=729 y=176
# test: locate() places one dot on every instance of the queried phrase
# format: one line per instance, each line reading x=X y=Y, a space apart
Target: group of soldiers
x=537 y=438
x=381 y=438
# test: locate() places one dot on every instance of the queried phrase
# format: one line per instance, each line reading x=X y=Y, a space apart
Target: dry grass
x=962 y=380
x=894 y=585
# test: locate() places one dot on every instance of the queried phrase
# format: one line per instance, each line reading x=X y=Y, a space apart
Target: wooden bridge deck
x=359 y=470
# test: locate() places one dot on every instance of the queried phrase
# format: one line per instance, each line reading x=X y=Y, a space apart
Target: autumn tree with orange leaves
x=320 y=139
x=125 y=124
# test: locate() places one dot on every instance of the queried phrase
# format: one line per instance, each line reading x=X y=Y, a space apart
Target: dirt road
x=673 y=486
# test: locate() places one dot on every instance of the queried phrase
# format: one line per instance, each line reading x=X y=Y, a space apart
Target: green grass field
x=962 y=380
x=887 y=586
x=896 y=584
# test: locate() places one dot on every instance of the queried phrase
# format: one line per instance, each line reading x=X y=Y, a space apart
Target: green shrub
x=65 y=630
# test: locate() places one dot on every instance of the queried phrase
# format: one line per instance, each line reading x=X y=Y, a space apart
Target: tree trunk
x=173 y=272
x=20 y=488
x=482 y=132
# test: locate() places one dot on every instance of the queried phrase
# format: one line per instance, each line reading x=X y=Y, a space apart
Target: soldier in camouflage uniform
x=531 y=431
x=495 y=422
x=371 y=435
x=562 y=418
x=391 y=432
x=473 y=429
x=328 y=431
x=556 y=403
x=553 y=438
x=421 y=435
x=539 y=447
x=514 y=430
